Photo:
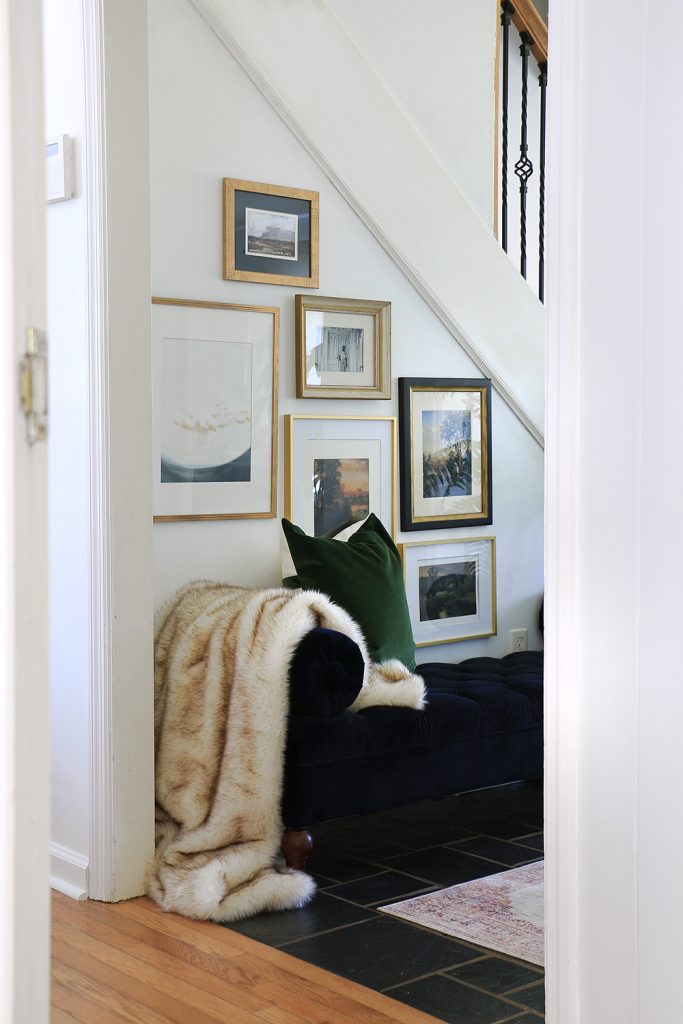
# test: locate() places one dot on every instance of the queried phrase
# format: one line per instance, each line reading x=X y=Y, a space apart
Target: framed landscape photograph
x=270 y=233
x=445 y=431
x=215 y=373
x=338 y=470
x=451 y=589
x=343 y=348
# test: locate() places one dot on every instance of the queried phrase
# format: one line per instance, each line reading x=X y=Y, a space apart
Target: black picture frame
x=445 y=452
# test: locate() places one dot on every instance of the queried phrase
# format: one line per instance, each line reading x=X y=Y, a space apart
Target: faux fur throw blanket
x=222 y=657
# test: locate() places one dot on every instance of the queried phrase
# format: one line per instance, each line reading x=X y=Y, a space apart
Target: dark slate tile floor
x=360 y=863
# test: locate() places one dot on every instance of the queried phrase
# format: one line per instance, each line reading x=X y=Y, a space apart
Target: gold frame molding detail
x=231 y=272
x=387 y=508
x=380 y=312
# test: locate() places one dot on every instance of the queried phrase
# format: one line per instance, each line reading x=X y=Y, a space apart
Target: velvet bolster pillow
x=326 y=674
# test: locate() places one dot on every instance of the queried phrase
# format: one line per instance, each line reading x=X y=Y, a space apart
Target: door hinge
x=33 y=385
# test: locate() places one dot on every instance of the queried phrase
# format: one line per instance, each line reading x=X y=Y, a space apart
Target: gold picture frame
x=451 y=589
x=343 y=347
x=270 y=233
x=215 y=410
x=365 y=449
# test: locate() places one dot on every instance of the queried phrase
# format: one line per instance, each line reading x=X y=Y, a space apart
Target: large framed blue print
x=214 y=424
x=270 y=233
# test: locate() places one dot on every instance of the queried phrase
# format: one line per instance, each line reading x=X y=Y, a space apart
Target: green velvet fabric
x=365 y=577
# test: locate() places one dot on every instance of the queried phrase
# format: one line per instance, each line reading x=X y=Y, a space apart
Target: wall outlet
x=518 y=640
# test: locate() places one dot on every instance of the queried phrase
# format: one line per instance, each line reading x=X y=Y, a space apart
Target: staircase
x=307 y=66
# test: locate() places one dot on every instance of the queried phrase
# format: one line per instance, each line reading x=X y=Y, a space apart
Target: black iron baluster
x=507 y=10
x=524 y=167
x=543 y=82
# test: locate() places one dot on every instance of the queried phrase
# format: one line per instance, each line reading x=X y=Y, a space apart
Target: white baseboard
x=68 y=872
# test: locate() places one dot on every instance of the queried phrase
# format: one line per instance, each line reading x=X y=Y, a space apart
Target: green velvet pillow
x=363 y=576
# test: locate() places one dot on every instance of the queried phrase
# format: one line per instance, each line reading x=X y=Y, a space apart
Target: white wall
x=207 y=121
x=436 y=58
x=615 y=552
x=69 y=467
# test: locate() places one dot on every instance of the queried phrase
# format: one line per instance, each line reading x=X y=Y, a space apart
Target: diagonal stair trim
x=217 y=26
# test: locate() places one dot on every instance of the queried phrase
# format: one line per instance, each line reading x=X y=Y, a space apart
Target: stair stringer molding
x=462 y=269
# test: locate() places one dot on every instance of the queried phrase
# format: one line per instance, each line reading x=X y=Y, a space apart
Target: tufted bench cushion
x=482 y=726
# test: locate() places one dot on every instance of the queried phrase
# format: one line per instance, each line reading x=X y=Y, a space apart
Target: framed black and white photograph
x=215 y=371
x=445 y=432
x=451 y=589
x=270 y=233
x=338 y=470
x=343 y=347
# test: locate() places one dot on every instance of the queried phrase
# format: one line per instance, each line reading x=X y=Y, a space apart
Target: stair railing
x=522 y=25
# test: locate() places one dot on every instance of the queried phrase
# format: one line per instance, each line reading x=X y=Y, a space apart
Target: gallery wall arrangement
x=215 y=422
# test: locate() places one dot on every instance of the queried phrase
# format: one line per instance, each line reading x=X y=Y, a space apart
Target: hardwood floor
x=130 y=962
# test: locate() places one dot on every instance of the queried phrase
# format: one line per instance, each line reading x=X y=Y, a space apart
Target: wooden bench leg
x=297 y=844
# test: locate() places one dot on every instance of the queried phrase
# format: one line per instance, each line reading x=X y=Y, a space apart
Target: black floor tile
x=453 y=1002
x=441 y=865
x=322 y=913
x=533 y=997
x=381 y=952
x=507 y=854
x=338 y=866
x=383 y=888
x=506 y=828
x=535 y=842
x=527 y=1018
x=495 y=974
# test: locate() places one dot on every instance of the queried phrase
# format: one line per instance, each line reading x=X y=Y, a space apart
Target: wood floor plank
x=278 y=1015
x=195 y=972
x=144 y=938
x=59 y=1016
x=102 y=997
x=208 y=937
x=80 y=1008
x=157 y=992
x=228 y=980
x=290 y=999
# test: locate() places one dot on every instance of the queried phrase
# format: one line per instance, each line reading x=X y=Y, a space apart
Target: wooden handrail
x=527 y=19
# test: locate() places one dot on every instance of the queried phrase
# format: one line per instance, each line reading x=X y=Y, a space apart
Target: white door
x=24 y=734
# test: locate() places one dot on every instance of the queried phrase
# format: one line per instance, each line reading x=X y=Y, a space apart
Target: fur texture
x=222 y=657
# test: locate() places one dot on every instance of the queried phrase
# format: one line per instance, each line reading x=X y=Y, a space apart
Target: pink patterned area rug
x=502 y=912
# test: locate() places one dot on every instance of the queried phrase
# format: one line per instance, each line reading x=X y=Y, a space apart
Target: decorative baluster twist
x=524 y=168
x=543 y=82
x=507 y=10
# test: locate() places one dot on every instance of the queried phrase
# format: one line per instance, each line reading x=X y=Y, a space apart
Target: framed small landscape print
x=451 y=589
x=343 y=348
x=270 y=233
x=338 y=470
x=215 y=373
x=445 y=429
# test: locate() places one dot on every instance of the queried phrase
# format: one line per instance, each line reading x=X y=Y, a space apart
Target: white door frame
x=24 y=698
x=117 y=184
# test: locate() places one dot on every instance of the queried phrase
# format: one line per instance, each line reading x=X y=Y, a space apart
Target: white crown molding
x=101 y=701
x=444 y=315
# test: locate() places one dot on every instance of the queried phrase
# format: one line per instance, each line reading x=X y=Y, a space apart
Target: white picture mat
x=445 y=401
x=342 y=439
x=256 y=219
x=209 y=423
x=461 y=627
x=316 y=320
x=253 y=328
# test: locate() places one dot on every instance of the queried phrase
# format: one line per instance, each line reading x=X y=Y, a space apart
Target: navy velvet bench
x=482 y=726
